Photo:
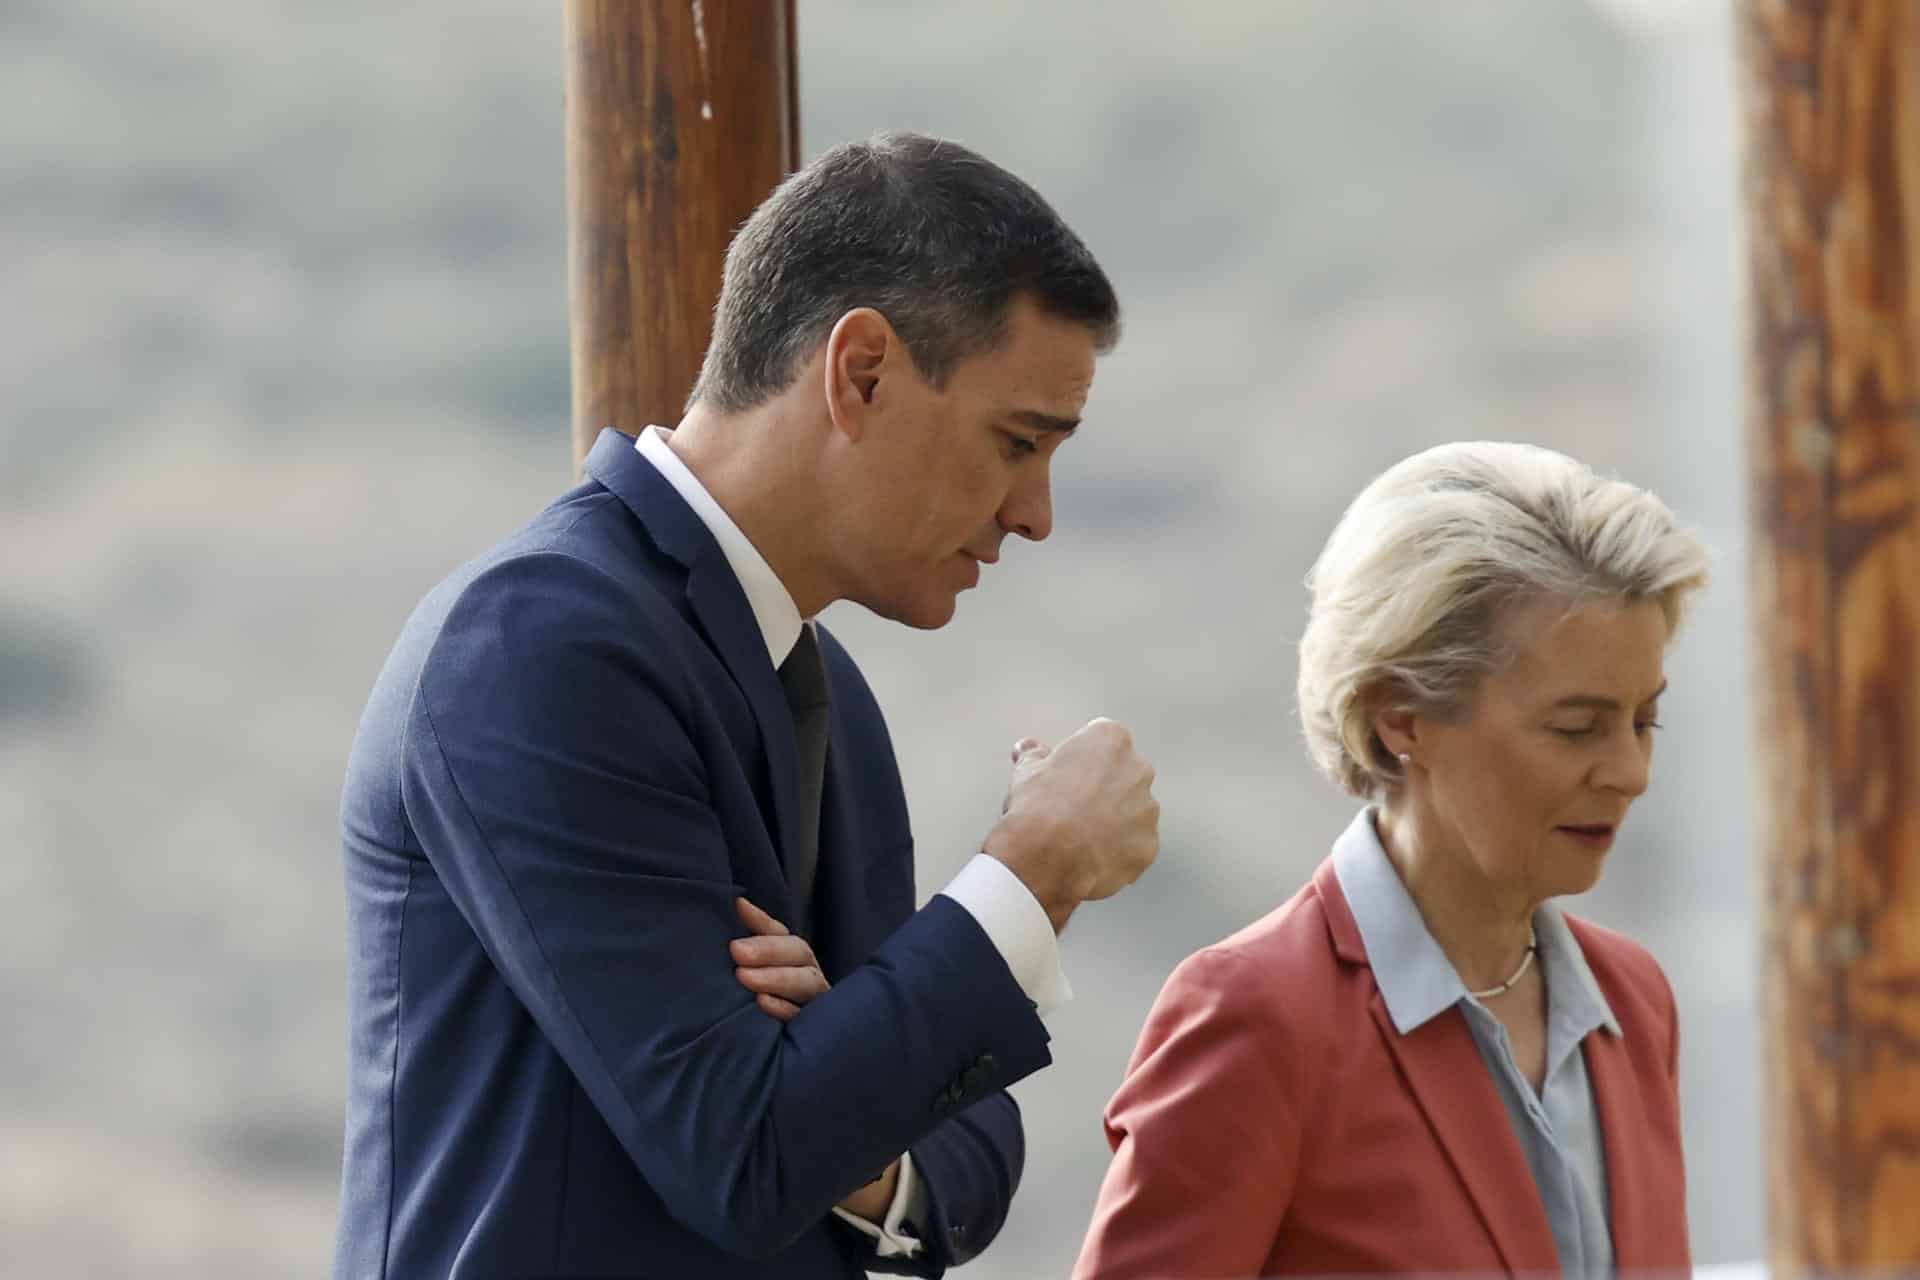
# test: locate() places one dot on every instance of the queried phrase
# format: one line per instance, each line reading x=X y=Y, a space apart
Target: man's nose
x=1028 y=510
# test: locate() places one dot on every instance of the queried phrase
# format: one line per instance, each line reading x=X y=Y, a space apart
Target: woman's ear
x=1398 y=729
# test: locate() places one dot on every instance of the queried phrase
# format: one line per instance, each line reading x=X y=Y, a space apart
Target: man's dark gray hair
x=935 y=237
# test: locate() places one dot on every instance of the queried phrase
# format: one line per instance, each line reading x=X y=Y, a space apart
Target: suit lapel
x=720 y=606
x=840 y=916
x=845 y=930
x=1616 y=1095
x=1449 y=1081
x=723 y=611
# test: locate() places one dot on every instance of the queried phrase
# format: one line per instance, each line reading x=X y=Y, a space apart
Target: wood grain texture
x=681 y=118
x=1831 y=98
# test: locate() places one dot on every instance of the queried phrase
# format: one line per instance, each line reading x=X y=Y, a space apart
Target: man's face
x=955 y=470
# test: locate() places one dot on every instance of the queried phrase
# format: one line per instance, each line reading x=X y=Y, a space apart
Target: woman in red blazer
x=1418 y=1063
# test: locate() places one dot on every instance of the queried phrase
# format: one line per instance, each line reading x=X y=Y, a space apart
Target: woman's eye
x=1566 y=731
x=1646 y=726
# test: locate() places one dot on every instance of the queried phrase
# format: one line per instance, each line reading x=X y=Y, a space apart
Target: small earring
x=1405 y=757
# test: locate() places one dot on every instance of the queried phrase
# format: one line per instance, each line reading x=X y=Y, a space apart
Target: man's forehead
x=1033 y=332
x=1050 y=381
x=1039 y=373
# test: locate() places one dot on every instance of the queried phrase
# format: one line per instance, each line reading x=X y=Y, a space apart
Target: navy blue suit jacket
x=577 y=755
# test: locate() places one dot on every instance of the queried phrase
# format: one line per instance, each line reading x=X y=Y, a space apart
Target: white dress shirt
x=1007 y=912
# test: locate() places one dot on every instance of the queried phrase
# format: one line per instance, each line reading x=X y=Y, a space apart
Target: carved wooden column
x=1832 y=106
x=681 y=118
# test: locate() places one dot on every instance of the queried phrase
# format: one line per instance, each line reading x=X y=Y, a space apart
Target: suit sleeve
x=1205 y=1131
x=971 y=1168
x=554 y=783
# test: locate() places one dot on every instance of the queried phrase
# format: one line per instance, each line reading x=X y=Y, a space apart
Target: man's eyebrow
x=1603 y=704
x=1043 y=421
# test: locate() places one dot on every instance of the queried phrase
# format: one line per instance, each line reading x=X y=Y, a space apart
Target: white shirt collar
x=772 y=605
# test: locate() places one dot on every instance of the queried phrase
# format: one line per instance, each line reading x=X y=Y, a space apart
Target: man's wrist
x=1017 y=925
x=1014 y=842
x=895 y=1226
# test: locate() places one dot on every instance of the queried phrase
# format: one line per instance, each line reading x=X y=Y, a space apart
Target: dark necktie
x=804 y=677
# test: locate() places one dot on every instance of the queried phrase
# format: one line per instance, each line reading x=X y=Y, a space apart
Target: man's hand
x=872 y=1201
x=776 y=966
x=1080 y=821
x=782 y=973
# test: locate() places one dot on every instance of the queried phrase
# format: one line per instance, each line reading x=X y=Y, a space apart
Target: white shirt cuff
x=1018 y=927
x=908 y=1205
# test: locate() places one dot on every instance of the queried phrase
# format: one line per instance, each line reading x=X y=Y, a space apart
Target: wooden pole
x=1832 y=106
x=681 y=118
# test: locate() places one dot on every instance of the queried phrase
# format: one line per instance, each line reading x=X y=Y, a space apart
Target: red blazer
x=1273 y=1122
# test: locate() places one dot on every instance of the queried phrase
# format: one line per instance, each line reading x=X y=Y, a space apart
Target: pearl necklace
x=1519 y=973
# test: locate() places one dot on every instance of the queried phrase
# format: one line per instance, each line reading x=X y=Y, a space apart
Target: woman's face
x=1533 y=781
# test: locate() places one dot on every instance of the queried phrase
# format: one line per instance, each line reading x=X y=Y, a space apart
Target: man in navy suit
x=610 y=762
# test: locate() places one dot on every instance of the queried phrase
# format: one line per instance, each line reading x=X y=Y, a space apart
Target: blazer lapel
x=1450 y=1084
x=719 y=604
x=1616 y=1095
x=1449 y=1080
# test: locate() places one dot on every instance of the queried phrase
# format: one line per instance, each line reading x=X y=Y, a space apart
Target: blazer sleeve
x=1205 y=1131
x=969 y=1169
x=552 y=778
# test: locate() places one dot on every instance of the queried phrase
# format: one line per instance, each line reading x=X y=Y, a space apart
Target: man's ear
x=859 y=353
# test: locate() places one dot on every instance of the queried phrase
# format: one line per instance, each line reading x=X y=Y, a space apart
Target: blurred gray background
x=285 y=340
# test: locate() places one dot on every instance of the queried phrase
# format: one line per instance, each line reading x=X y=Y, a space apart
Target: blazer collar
x=1416 y=979
x=1457 y=1097
x=676 y=529
x=772 y=605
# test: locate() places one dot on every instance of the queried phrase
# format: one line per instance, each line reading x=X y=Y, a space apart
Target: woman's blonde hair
x=1409 y=592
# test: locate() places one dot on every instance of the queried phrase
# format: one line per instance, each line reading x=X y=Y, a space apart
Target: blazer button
x=977 y=1076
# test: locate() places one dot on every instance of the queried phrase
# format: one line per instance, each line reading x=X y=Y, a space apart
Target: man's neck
x=762 y=468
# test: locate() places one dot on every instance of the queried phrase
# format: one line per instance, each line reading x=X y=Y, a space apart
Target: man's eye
x=1580 y=731
x=1020 y=445
x=1646 y=726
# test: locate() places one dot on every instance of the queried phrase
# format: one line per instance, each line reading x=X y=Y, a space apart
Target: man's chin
x=935 y=618
x=923 y=615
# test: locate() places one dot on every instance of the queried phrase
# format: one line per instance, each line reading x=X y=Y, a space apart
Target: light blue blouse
x=1558 y=1129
